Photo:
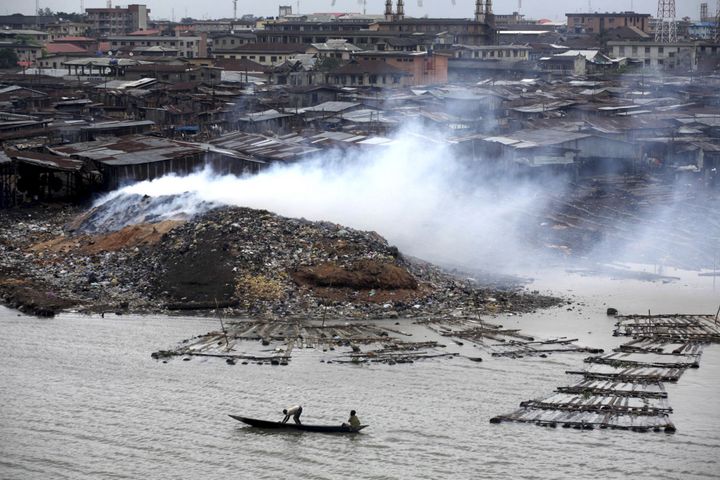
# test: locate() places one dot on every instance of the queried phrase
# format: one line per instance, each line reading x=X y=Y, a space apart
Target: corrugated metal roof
x=117 y=124
x=537 y=138
x=45 y=160
x=130 y=150
x=264 y=116
x=333 y=107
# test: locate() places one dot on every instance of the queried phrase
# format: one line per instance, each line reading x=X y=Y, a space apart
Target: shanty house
x=137 y=158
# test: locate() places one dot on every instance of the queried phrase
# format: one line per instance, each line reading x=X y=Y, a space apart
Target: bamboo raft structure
x=361 y=342
x=675 y=327
x=610 y=387
x=624 y=389
x=509 y=343
x=381 y=344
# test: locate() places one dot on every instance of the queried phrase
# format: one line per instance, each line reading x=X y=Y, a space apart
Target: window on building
x=661 y=50
x=634 y=50
x=273 y=59
x=262 y=58
x=647 y=50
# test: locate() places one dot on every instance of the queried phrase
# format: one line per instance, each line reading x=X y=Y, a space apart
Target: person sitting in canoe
x=353 y=421
x=295 y=412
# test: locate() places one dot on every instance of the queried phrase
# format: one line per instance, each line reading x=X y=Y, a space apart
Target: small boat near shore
x=301 y=427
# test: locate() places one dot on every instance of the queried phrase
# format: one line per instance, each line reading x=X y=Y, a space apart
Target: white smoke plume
x=413 y=191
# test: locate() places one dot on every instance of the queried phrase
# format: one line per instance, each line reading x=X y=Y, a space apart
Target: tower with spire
x=388 y=11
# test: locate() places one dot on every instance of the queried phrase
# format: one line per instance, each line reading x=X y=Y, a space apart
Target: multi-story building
x=188 y=47
x=495 y=53
x=106 y=22
x=423 y=68
x=657 y=55
x=598 y=23
x=263 y=53
x=67 y=29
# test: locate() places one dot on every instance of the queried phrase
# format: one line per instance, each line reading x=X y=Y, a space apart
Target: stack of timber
x=624 y=389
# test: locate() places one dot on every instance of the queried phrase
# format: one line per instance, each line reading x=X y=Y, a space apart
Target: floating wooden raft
x=664 y=348
x=589 y=420
x=509 y=342
x=623 y=389
x=381 y=343
x=675 y=327
x=601 y=403
x=633 y=374
x=632 y=359
x=610 y=387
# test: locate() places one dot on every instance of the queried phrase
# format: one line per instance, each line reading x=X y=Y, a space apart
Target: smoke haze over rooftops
x=413 y=192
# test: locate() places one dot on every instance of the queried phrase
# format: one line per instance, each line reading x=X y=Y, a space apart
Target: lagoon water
x=80 y=398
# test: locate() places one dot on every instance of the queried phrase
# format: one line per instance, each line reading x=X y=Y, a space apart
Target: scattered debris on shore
x=624 y=389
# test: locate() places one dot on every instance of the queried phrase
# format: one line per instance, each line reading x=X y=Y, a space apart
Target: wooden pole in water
x=222 y=325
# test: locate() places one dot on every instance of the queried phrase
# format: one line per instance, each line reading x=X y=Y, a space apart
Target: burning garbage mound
x=264 y=264
x=119 y=209
x=249 y=262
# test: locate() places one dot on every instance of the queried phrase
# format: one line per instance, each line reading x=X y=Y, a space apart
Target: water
x=81 y=398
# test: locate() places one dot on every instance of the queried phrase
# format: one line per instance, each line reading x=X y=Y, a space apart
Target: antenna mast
x=666 y=29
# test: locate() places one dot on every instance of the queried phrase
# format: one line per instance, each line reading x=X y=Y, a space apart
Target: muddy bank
x=248 y=262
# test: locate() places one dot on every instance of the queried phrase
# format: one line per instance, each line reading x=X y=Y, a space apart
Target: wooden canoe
x=294 y=426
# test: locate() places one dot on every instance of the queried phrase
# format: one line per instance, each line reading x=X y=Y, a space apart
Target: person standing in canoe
x=295 y=412
x=353 y=421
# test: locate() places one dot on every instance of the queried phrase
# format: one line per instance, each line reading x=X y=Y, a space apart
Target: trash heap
x=244 y=261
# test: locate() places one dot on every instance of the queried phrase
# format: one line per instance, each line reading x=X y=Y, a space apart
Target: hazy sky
x=554 y=9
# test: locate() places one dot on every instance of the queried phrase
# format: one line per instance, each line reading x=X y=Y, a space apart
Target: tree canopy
x=8 y=58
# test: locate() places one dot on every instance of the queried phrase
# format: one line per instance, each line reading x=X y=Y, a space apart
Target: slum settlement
x=622 y=106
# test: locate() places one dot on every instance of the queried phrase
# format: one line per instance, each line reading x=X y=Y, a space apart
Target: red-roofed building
x=64 y=49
